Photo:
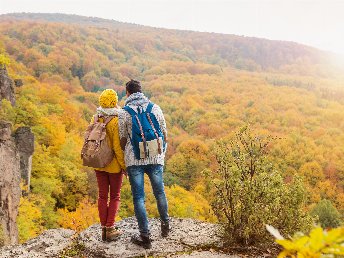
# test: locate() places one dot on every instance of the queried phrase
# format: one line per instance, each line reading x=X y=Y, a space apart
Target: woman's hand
x=124 y=172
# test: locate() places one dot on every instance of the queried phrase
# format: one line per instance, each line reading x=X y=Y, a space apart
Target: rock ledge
x=188 y=238
x=49 y=244
x=186 y=235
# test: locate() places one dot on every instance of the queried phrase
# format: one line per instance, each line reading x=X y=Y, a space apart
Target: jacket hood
x=137 y=99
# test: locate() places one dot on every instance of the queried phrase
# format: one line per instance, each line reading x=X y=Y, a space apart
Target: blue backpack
x=147 y=138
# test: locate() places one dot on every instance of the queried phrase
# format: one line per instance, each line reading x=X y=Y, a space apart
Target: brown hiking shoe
x=112 y=233
x=103 y=233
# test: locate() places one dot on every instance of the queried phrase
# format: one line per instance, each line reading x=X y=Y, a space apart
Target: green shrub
x=251 y=193
x=327 y=214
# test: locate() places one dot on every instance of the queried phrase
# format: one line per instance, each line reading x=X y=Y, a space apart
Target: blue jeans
x=136 y=179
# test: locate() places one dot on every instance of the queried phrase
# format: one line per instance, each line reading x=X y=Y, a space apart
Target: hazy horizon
x=314 y=23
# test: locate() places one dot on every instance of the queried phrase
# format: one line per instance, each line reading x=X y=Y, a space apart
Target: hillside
x=155 y=45
x=208 y=85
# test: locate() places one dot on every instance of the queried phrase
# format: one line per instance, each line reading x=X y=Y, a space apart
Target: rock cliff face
x=188 y=238
x=24 y=139
x=9 y=185
x=15 y=163
x=6 y=87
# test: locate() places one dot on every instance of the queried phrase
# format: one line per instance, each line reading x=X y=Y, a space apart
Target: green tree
x=328 y=215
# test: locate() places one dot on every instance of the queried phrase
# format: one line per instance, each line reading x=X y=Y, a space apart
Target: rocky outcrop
x=187 y=235
x=188 y=238
x=24 y=139
x=9 y=185
x=49 y=244
x=6 y=87
x=15 y=161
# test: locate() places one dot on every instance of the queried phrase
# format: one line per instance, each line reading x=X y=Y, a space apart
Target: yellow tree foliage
x=185 y=204
x=4 y=60
x=29 y=219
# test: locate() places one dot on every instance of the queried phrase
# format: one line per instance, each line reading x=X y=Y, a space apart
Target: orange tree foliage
x=85 y=215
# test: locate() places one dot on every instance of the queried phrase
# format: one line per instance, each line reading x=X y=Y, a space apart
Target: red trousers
x=108 y=209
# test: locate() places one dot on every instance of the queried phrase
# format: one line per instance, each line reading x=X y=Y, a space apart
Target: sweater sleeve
x=117 y=146
x=161 y=120
x=122 y=125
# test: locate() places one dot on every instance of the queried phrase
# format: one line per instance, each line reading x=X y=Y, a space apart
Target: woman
x=111 y=176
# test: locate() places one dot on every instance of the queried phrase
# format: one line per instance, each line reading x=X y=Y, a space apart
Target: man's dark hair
x=133 y=86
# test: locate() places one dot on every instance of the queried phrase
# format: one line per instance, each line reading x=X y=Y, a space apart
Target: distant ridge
x=241 y=52
x=66 y=18
x=101 y=22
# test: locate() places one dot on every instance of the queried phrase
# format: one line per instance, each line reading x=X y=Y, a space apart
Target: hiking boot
x=165 y=228
x=103 y=233
x=141 y=240
x=112 y=233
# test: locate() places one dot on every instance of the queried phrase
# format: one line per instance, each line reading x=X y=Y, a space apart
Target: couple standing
x=128 y=160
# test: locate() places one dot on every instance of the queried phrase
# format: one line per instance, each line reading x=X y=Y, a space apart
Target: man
x=153 y=165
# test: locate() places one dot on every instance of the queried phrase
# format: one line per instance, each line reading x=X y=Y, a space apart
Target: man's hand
x=123 y=142
x=165 y=136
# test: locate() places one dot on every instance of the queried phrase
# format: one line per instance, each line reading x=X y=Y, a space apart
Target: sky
x=318 y=23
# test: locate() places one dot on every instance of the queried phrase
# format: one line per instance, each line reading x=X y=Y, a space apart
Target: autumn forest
x=208 y=85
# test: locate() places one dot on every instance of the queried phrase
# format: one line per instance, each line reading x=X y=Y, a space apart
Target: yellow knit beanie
x=108 y=99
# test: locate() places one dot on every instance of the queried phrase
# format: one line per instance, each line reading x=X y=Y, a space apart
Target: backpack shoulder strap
x=149 y=107
x=108 y=119
x=129 y=110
